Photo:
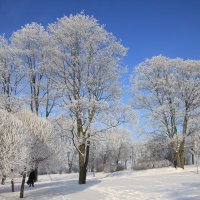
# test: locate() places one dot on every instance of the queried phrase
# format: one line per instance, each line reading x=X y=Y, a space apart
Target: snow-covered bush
x=14 y=151
x=43 y=143
x=152 y=164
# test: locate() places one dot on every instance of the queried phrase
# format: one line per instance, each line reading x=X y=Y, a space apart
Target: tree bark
x=192 y=158
x=104 y=163
x=179 y=156
x=36 y=174
x=22 y=185
x=36 y=171
x=69 y=168
x=83 y=162
x=125 y=164
x=12 y=185
x=117 y=165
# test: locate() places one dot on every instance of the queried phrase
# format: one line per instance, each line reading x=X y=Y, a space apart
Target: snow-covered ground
x=164 y=183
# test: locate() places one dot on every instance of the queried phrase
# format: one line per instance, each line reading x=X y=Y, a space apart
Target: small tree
x=13 y=145
x=118 y=140
x=43 y=142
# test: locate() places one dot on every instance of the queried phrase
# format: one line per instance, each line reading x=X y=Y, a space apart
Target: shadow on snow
x=51 y=189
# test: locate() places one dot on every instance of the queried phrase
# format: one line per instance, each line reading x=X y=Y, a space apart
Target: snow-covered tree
x=158 y=149
x=13 y=144
x=110 y=151
x=43 y=142
x=118 y=140
x=86 y=70
x=63 y=129
x=193 y=143
x=103 y=153
x=10 y=77
x=169 y=92
x=33 y=46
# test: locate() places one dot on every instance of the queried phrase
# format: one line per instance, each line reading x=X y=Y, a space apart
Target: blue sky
x=146 y=27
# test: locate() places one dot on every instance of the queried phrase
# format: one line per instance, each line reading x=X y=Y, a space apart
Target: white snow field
x=163 y=183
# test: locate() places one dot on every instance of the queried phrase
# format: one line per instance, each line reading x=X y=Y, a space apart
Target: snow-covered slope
x=164 y=183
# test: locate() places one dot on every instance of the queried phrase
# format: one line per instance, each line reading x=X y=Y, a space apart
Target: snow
x=156 y=184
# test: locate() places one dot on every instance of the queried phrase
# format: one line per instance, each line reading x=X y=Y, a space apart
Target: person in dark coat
x=31 y=179
x=175 y=164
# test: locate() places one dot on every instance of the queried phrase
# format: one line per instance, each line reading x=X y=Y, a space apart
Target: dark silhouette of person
x=175 y=164
x=31 y=178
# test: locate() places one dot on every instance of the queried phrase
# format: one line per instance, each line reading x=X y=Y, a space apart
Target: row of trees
x=112 y=152
x=109 y=151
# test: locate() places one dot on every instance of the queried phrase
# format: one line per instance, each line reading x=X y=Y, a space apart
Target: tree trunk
x=69 y=168
x=104 y=163
x=3 y=180
x=83 y=162
x=22 y=185
x=197 y=163
x=192 y=159
x=12 y=185
x=36 y=172
x=180 y=160
x=125 y=164
x=178 y=155
x=82 y=174
x=117 y=165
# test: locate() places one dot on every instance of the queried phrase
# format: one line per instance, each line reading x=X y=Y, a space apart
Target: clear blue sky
x=146 y=27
